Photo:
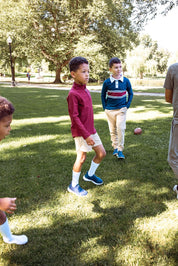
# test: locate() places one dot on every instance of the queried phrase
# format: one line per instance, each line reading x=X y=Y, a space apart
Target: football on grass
x=137 y=131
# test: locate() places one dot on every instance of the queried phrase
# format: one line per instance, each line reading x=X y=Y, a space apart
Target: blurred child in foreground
x=7 y=204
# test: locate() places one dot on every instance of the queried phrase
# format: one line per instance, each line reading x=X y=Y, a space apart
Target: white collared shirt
x=116 y=83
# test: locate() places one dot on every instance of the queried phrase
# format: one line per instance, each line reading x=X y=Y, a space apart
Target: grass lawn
x=130 y=220
x=150 y=90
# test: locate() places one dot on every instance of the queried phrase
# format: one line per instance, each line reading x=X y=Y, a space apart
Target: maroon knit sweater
x=81 y=111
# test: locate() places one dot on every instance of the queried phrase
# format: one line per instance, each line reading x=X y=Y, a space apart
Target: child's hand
x=90 y=141
x=8 y=205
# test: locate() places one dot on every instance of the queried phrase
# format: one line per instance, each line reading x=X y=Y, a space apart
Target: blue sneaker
x=77 y=190
x=94 y=179
x=120 y=155
x=115 y=152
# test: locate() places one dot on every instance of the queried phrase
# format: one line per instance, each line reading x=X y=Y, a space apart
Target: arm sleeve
x=73 y=103
x=169 y=81
x=130 y=93
x=103 y=95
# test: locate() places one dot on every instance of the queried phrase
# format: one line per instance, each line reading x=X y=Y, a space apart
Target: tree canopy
x=147 y=58
x=54 y=29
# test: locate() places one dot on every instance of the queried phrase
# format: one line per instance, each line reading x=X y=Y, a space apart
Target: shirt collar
x=113 y=79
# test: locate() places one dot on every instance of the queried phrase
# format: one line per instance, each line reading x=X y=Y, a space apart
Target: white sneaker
x=18 y=240
x=175 y=188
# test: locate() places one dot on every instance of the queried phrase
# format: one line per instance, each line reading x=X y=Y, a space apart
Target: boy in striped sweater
x=116 y=98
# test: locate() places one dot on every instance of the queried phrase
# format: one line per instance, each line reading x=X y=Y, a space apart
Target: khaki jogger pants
x=117 y=125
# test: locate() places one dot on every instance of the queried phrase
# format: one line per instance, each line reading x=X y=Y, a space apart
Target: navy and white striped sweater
x=114 y=94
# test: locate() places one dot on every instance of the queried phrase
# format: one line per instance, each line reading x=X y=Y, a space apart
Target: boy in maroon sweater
x=82 y=126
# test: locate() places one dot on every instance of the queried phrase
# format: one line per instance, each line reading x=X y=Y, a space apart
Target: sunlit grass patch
x=153 y=240
x=148 y=111
x=162 y=229
x=23 y=142
x=86 y=249
x=39 y=120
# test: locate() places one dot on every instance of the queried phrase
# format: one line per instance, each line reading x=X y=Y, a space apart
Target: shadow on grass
x=66 y=242
x=40 y=172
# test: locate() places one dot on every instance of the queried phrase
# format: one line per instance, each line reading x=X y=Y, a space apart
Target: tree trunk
x=58 y=76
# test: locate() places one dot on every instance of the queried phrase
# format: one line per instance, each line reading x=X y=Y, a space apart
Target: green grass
x=130 y=220
x=150 y=90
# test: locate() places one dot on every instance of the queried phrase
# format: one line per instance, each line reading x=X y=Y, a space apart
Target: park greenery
x=54 y=31
x=130 y=220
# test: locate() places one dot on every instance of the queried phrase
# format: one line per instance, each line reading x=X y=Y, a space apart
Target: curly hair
x=75 y=63
x=6 y=107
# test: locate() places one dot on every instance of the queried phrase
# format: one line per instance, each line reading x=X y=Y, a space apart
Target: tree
x=148 y=9
x=52 y=29
x=147 y=58
x=12 y=14
x=93 y=52
x=59 y=26
x=160 y=56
